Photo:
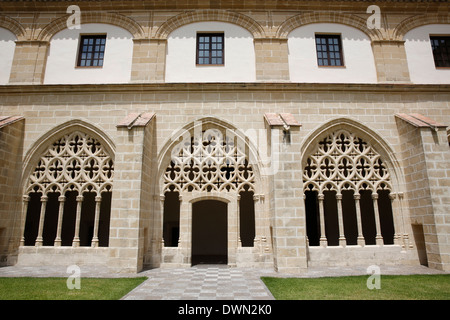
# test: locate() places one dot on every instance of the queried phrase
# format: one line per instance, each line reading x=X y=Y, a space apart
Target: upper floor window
x=210 y=49
x=329 y=50
x=441 y=50
x=92 y=51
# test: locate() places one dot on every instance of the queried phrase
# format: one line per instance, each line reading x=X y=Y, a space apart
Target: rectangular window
x=210 y=48
x=92 y=51
x=441 y=51
x=329 y=50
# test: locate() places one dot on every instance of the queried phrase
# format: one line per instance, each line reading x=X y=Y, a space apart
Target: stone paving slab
x=205 y=282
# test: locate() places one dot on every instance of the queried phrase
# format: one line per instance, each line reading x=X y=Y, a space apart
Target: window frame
x=447 y=61
x=197 y=49
x=80 y=50
x=340 y=45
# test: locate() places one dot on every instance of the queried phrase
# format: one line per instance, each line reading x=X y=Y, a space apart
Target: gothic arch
x=418 y=21
x=326 y=17
x=368 y=135
x=244 y=149
x=93 y=17
x=45 y=141
x=13 y=26
x=67 y=186
x=210 y=15
x=350 y=186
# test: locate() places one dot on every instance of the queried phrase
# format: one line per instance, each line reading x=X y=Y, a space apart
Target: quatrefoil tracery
x=343 y=161
x=208 y=162
x=75 y=162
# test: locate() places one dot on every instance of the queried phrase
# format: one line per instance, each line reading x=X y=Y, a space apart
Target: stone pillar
x=39 y=239
x=149 y=58
x=62 y=200
x=323 y=237
x=390 y=61
x=289 y=229
x=361 y=240
x=342 y=241
x=131 y=198
x=30 y=59
x=425 y=153
x=378 y=236
x=26 y=201
x=76 y=238
x=98 y=201
x=272 y=62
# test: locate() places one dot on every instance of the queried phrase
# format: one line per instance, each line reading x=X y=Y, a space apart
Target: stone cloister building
x=276 y=134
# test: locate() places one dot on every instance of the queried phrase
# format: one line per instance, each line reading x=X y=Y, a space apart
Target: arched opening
x=209 y=232
x=347 y=193
x=68 y=197
x=171 y=219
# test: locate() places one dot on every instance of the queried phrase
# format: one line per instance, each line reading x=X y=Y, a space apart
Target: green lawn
x=56 y=288
x=411 y=287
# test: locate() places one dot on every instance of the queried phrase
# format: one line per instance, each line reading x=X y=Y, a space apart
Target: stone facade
x=271 y=125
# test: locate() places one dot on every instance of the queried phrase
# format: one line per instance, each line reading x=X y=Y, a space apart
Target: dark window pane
x=329 y=52
x=209 y=47
x=91 y=53
x=441 y=51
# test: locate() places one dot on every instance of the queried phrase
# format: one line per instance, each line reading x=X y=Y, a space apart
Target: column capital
x=375 y=196
x=392 y=196
x=356 y=196
x=62 y=198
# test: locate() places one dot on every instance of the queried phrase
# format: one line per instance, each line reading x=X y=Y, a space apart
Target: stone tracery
x=209 y=162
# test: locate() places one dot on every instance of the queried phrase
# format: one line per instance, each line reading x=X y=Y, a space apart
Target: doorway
x=209 y=232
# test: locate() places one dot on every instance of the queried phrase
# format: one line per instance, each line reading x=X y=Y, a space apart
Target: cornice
x=60 y=89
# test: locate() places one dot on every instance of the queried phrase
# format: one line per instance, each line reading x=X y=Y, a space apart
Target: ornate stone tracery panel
x=343 y=161
x=209 y=161
x=75 y=162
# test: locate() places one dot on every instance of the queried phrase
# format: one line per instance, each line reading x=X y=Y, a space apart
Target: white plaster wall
x=357 y=51
x=63 y=52
x=239 y=55
x=420 y=55
x=7 y=47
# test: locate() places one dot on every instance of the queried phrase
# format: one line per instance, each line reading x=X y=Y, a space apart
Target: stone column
x=26 y=201
x=39 y=239
x=76 y=238
x=361 y=241
x=323 y=236
x=342 y=240
x=98 y=202
x=378 y=236
x=62 y=200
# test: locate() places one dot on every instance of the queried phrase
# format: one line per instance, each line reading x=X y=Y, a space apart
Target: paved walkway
x=205 y=282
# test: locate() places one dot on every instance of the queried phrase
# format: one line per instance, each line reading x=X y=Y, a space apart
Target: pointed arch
x=210 y=15
x=61 y=133
x=235 y=150
x=350 y=181
x=67 y=183
x=367 y=135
